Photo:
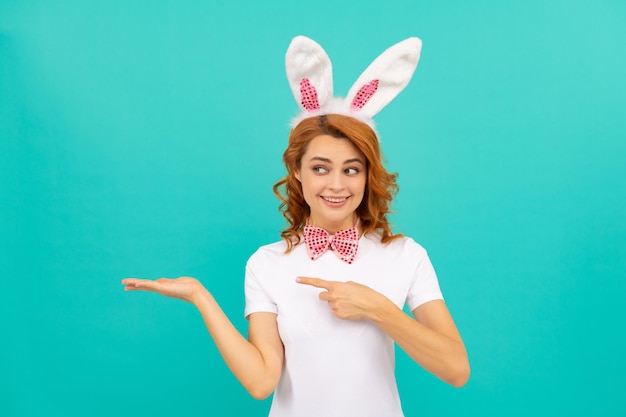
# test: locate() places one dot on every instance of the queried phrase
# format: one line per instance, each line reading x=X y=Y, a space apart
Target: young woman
x=324 y=304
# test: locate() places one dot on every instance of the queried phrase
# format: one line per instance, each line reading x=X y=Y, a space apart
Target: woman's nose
x=336 y=181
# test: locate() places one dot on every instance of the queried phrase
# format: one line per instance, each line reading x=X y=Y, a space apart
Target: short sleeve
x=257 y=299
x=425 y=285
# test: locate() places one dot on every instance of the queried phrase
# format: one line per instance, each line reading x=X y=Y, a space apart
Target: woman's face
x=333 y=175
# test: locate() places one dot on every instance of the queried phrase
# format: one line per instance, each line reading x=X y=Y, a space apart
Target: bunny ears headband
x=310 y=76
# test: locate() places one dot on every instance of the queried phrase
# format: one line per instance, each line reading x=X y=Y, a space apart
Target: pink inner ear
x=309 y=95
x=364 y=94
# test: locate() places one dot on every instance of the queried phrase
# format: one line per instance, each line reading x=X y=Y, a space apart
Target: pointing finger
x=315 y=282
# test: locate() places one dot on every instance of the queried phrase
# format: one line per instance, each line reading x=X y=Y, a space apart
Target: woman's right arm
x=256 y=362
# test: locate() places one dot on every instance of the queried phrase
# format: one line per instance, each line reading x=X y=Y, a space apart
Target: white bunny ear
x=309 y=73
x=385 y=78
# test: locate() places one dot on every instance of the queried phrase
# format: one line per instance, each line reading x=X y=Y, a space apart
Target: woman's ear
x=297 y=175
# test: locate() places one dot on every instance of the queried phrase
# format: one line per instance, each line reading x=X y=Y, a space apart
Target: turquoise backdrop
x=142 y=138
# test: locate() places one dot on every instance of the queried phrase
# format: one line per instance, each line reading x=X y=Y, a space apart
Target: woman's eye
x=351 y=171
x=320 y=170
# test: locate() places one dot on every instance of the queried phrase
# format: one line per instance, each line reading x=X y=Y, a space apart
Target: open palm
x=183 y=288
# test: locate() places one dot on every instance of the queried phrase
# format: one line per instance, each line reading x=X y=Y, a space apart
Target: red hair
x=380 y=186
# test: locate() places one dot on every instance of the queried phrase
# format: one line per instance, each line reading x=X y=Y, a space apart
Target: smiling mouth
x=335 y=199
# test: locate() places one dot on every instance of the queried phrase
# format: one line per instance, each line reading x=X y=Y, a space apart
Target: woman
x=324 y=304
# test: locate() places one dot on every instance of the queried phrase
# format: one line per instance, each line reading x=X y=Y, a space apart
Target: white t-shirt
x=335 y=367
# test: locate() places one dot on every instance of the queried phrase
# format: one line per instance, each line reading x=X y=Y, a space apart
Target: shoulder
x=399 y=251
x=269 y=252
x=400 y=244
x=278 y=247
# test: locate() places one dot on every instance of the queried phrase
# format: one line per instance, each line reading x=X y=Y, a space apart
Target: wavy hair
x=380 y=187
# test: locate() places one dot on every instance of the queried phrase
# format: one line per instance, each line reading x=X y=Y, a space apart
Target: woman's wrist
x=199 y=295
x=383 y=308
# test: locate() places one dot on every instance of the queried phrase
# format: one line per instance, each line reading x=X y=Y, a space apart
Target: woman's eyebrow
x=352 y=160
x=320 y=158
x=328 y=161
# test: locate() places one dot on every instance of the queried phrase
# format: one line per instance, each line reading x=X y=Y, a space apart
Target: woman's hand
x=183 y=288
x=348 y=300
x=431 y=339
x=257 y=363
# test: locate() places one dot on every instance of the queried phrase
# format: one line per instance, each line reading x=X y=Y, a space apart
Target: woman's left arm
x=431 y=338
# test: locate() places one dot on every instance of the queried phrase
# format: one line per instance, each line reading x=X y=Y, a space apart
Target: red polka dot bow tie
x=344 y=243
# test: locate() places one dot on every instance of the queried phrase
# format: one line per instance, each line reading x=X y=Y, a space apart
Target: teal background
x=142 y=138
